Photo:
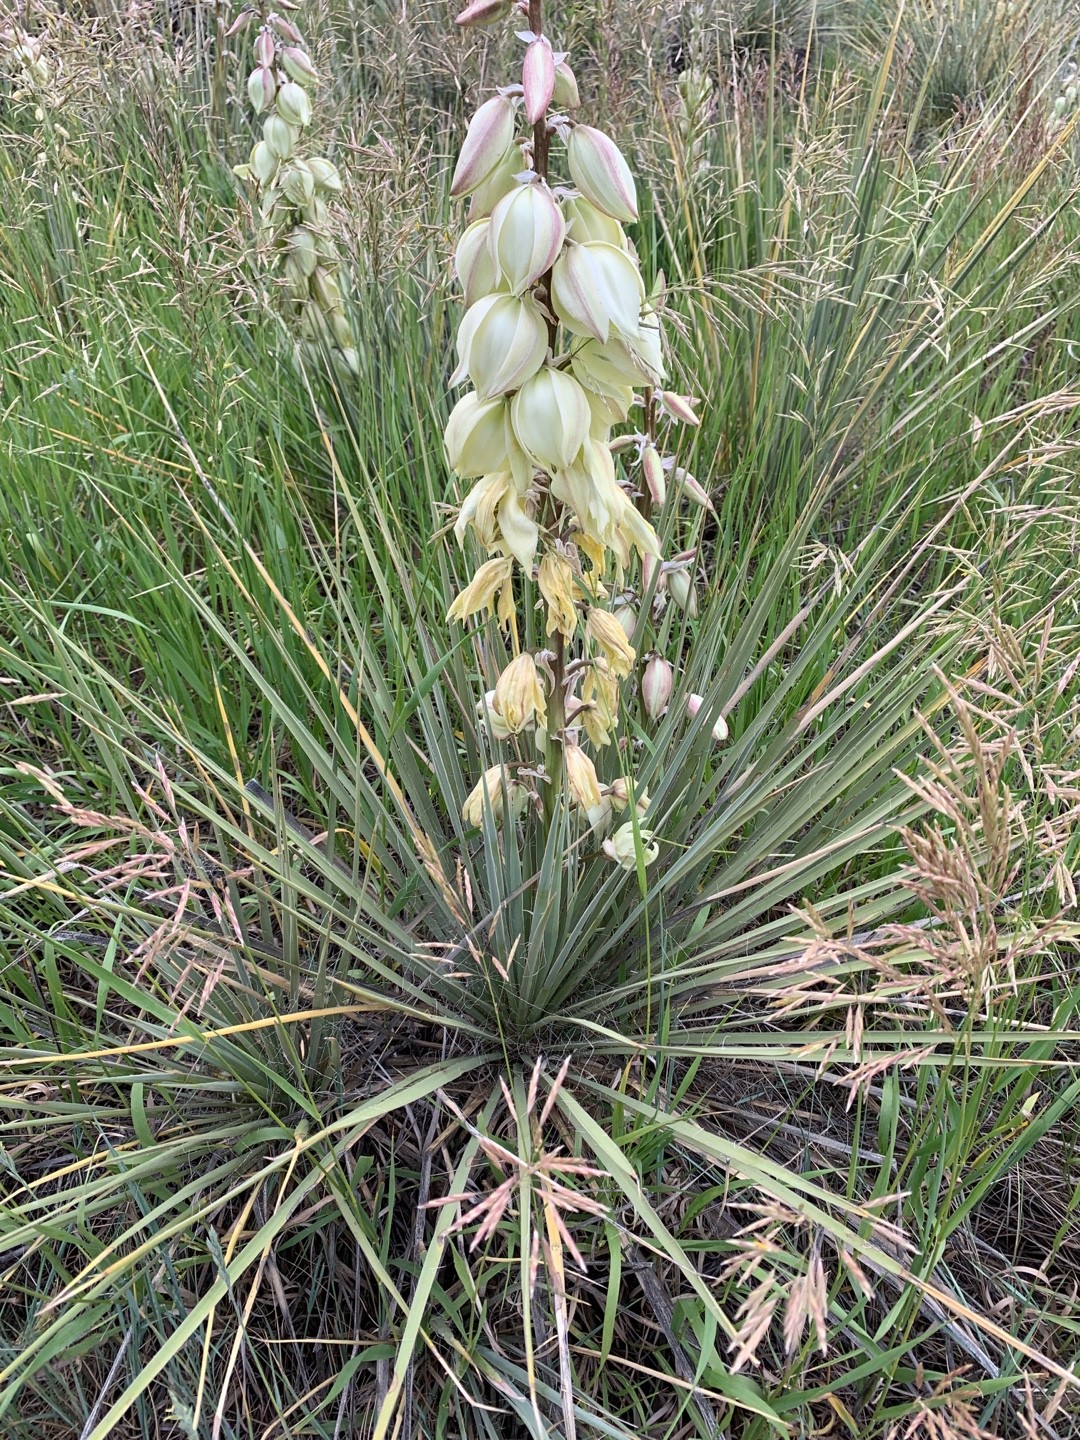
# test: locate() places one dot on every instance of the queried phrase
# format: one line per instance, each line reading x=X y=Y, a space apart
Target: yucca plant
x=334 y=1105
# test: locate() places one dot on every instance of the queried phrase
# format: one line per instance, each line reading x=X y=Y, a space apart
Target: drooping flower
x=483 y=590
x=487 y=140
x=556 y=580
x=656 y=686
x=550 y=416
x=502 y=340
x=608 y=636
x=519 y=695
x=720 y=726
x=600 y=694
x=475 y=436
x=494 y=785
x=525 y=234
x=622 y=848
x=581 y=776
x=597 y=288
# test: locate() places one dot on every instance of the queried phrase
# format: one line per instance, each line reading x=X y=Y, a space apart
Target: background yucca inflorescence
x=293 y=187
x=562 y=344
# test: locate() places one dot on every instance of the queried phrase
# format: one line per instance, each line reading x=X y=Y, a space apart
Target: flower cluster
x=560 y=343
x=293 y=187
x=1065 y=101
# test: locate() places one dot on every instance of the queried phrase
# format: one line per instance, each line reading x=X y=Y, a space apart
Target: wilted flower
x=656 y=686
x=556 y=580
x=550 y=416
x=480 y=509
x=525 y=234
x=608 y=636
x=622 y=848
x=502 y=340
x=483 y=590
x=489 y=137
x=581 y=776
x=601 y=174
x=494 y=786
x=719 y=729
x=519 y=695
x=600 y=711
x=596 y=287
x=485 y=711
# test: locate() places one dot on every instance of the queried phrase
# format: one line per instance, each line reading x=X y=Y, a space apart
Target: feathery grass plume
x=294 y=187
x=561 y=341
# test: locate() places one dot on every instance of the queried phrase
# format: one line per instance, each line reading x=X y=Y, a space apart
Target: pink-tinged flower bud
x=502 y=340
x=525 y=236
x=242 y=21
x=566 y=95
x=656 y=686
x=596 y=288
x=264 y=48
x=326 y=175
x=681 y=589
x=649 y=567
x=473 y=265
x=483 y=12
x=627 y=618
x=475 y=436
x=301 y=248
x=293 y=104
x=690 y=487
x=298 y=65
x=653 y=470
x=298 y=183
x=585 y=222
x=601 y=174
x=279 y=136
x=263 y=162
x=679 y=407
x=261 y=89
x=488 y=138
x=550 y=416
x=288 y=30
x=719 y=729
x=538 y=78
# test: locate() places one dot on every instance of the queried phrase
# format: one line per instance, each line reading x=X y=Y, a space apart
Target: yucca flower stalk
x=562 y=344
x=294 y=187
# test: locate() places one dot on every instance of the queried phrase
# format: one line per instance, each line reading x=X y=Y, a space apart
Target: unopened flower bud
x=261 y=89
x=298 y=65
x=326 y=289
x=689 y=487
x=656 y=685
x=681 y=589
x=719 y=729
x=601 y=174
x=622 y=847
x=596 y=288
x=280 y=136
x=473 y=265
x=264 y=48
x=566 y=95
x=627 y=618
x=526 y=234
x=483 y=12
x=288 y=30
x=550 y=416
x=502 y=340
x=538 y=78
x=679 y=407
x=653 y=469
x=475 y=436
x=294 y=104
x=326 y=175
x=500 y=182
x=488 y=138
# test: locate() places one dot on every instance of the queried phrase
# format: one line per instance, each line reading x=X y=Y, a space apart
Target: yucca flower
x=519 y=695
